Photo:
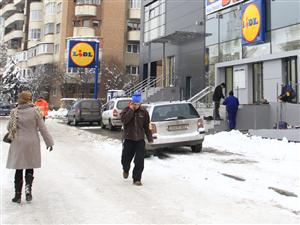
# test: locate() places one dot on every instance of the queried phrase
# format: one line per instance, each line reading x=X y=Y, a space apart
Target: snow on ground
x=60 y=113
x=80 y=182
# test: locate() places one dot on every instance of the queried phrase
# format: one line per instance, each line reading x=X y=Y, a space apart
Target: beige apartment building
x=36 y=33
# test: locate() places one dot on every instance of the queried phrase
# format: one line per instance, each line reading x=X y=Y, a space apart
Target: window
x=88 y=2
x=228 y=80
x=49 y=28
x=35 y=15
x=96 y=23
x=44 y=49
x=86 y=23
x=132 y=70
x=58 y=28
x=58 y=7
x=257 y=82
x=135 y=4
x=50 y=8
x=133 y=48
x=290 y=73
x=77 y=23
x=122 y=104
x=35 y=34
x=133 y=26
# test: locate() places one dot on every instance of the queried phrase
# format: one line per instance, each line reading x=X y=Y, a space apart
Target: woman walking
x=24 y=152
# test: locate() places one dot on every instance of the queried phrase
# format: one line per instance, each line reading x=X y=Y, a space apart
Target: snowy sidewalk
x=81 y=182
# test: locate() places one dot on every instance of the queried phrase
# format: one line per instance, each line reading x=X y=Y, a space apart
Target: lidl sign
x=82 y=54
x=212 y=6
x=253 y=23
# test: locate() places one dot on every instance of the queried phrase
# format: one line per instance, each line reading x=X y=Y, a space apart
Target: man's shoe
x=125 y=175
x=137 y=183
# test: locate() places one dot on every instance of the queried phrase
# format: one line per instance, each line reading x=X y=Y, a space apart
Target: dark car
x=85 y=110
x=4 y=109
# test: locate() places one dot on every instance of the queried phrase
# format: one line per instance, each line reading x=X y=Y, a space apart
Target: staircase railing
x=202 y=94
x=144 y=85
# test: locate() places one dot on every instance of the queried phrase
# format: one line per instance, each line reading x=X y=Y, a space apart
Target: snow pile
x=60 y=113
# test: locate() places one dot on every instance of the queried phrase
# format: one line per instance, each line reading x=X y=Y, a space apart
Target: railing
x=144 y=85
x=201 y=95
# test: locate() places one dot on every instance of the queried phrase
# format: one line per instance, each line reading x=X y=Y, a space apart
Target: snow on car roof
x=165 y=103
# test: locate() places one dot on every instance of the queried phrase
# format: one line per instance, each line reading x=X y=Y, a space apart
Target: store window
x=257 y=69
x=228 y=80
x=286 y=39
x=290 y=73
x=230 y=26
x=230 y=50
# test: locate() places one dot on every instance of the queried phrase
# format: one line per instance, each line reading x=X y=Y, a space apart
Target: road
x=81 y=182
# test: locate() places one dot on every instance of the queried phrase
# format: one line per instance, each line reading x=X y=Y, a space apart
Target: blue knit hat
x=137 y=97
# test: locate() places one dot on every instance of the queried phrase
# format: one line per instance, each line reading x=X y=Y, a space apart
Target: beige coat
x=25 y=149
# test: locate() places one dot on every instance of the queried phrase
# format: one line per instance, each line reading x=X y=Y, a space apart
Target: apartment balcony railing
x=15 y=18
x=134 y=35
x=8 y=10
x=15 y=34
x=19 y=3
x=84 y=31
x=85 y=10
x=134 y=14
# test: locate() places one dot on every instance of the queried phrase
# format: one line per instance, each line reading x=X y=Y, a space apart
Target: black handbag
x=6 y=138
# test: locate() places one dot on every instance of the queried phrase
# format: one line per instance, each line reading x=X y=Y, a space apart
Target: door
x=257 y=69
x=188 y=90
x=228 y=80
x=290 y=74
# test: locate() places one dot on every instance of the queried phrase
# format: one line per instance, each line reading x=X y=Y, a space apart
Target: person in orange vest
x=43 y=105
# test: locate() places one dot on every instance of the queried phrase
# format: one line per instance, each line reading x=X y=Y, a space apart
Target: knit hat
x=137 y=97
x=24 y=97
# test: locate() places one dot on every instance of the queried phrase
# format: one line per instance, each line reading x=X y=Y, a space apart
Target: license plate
x=178 y=127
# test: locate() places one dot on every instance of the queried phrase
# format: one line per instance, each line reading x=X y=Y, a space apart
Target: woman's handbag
x=6 y=138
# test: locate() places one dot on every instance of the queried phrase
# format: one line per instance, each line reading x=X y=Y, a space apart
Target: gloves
x=50 y=148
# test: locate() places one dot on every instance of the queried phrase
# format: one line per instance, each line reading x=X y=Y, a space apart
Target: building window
x=77 y=23
x=133 y=26
x=132 y=70
x=50 y=8
x=154 y=18
x=96 y=23
x=86 y=23
x=58 y=28
x=88 y=2
x=35 y=15
x=290 y=73
x=133 y=48
x=135 y=4
x=35 y=34
x=49 y=28
x=58 y=7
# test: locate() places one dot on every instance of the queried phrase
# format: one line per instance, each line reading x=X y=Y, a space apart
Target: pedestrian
x=135 y=119
x=24 y=152
x=218 y=94
x=232 y=105
x=287 y=94
x=43 y=105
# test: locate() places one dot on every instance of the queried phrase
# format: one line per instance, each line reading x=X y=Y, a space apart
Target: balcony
x=8 y=10
x=134 y=14
x=19 y=3
x=84 y=31
x=134 y=35
x=15 y=18
x=40 y=60
x=11 y=51
x=85 y=10
x=15 y=34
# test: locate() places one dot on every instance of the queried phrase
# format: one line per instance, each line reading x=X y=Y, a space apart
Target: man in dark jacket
x=287 y=93
x=136 y=121
x=218 y=94
x=232 y=105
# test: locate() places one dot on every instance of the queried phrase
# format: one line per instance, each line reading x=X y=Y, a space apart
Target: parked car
x=111 y=112
x=5 y=109
x=85 y=110
x=175 y=124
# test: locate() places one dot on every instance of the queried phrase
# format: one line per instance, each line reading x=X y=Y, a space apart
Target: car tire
x=110 y=126
x=69 y=122
x=75 y=121
x=102 y=125
x=197 y=148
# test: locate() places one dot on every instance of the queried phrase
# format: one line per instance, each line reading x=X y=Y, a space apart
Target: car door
x=104 y=114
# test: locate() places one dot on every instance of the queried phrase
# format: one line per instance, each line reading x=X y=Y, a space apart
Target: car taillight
x=115 y=113
x=152 y=127
x=200 y=124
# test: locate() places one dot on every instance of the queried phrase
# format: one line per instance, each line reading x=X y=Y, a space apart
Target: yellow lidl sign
x=83 y=54
x=253 y=23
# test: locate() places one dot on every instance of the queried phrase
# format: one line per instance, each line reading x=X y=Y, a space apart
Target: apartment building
x=36 y=32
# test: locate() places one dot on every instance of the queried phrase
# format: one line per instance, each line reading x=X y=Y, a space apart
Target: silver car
x=175 y=124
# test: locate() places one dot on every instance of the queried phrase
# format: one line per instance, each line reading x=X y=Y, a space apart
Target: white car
x=111 y=118
x=175 y=124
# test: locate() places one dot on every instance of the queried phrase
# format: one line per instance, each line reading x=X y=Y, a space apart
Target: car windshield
x=174 y=112
x=122 y=104
x=90 y=105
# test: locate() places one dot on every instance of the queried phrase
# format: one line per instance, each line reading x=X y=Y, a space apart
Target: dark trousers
x=232 y=120
x=19 y=175
x=134 y=149
x=216 y=111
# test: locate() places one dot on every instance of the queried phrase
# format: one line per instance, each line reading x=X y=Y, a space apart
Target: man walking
x=232 y=105
x=218 y=94
x=136 y=121
x=43 y=105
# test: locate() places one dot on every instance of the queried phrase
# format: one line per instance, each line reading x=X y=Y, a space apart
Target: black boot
x=28 y=186
x=18 y=191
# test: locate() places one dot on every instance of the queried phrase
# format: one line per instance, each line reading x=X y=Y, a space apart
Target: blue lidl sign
x=253 y=22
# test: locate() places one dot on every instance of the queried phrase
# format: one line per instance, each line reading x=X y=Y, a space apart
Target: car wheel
x=110 y=126
x=102 y=124
x=69 y=122
x=75 y=121
x=197 y=148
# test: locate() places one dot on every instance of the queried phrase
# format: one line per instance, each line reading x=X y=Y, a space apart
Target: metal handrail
x=144 y=85
x=137 y=87
x=197 y=97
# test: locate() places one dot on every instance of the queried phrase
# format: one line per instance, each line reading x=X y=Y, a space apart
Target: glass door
x=228 y=80
x=290 y=74
x=257 y=82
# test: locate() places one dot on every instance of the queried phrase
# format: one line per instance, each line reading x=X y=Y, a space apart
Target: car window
x=86 y=104
x=111 y=105
x=96 y=105
x=122 y=104
x=174 y=112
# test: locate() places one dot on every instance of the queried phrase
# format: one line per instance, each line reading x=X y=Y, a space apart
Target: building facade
x=172 y=46
x=254 y=47
x=36 y=33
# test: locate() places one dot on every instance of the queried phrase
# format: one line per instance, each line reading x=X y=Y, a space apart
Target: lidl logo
x=82 y=54
x=252 y=23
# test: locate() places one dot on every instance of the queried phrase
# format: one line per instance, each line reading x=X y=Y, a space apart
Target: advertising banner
x=216 y=5
x=253 y=22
